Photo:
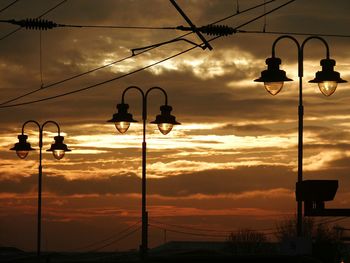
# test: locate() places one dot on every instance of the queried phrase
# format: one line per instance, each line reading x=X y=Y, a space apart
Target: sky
x=231 y=164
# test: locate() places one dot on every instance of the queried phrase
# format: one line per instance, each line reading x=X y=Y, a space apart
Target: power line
x=40 y=24
x=137 y=70
x=43 y=14
x=191 y=228
x=123 y=59
x=108 y=238
x=291 y=33
x=187 y=233
x=206 y=229
x=265 y=13
x=115 y=241
x=333 y=220
x=100 y=83
x=45 y=24
x=9 y=5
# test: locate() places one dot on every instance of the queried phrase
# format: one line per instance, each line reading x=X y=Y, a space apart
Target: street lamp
x=58 y=149
x=327 y=80
x=165 y=122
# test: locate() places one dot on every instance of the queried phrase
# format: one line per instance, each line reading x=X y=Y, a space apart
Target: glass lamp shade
x=273 y=87
x=273 y=77
x=23 y=147
x=328 y=87
x=165 y=120
x=122 y=126
x=58 y=148
x=22 y=154
x=327 y=79
x=165 y=128
x=58 y=154
x=122 y=118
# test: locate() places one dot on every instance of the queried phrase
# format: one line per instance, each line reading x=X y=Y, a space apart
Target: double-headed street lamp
x=165 y=122
x=327 y=81
x=58 y=150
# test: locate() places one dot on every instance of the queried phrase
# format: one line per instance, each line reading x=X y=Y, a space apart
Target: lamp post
x=58 y=149
x=327 y=80
x=165 y=122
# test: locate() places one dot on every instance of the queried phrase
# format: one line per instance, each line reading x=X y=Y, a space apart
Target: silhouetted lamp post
x=327 y=81
x=58 y=149
x=165 y=122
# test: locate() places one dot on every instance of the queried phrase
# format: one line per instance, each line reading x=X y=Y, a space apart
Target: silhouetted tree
x=286 y=229
x=326 y=239
x=247 y=241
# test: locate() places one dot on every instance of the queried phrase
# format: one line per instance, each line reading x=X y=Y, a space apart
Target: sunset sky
x=231 y=164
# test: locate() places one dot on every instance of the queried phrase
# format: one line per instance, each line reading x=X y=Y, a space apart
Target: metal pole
x=299 y=227
x=39 y=193
x=144 y=237
x=300 y=156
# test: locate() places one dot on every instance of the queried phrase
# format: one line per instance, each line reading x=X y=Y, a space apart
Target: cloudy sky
x=231 y=164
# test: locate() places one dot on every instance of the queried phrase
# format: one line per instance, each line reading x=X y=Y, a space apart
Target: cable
x=208 y=230
x=191 y=228
x=123 y=59
x=9 y=5
x=44 y=24
x=106 y=239
x=118 y=27
x=41 y=60
x=137 y=70
x=264 y=28
x=43 y=14
x=115 y=62
x=291 y=33
x=333 y=220
x=186 y=233
x=52 y=8
x=40 y=24
x=265 y=13
x=241 y=12
x=100 y=83
x=115 y=241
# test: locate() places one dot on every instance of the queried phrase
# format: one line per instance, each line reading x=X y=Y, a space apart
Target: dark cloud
x=211 y=182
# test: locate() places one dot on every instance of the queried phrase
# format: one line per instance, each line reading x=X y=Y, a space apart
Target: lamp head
x=165 y=120
x=122 y=118
x=273 y=77
x=327 y=79
x=58 y=148
x=23 y=147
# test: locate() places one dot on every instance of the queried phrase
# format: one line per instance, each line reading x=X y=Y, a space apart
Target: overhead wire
x=333 y=220
x=123 y=59
x=116 y=241
x=44 y=24
x=139 y=69
x=206 y=229
x=9 y=5
x=108 y=238
x=117 y=27
x=187 y=233
x=292 y=33
x=41 y=60
x=40 y=16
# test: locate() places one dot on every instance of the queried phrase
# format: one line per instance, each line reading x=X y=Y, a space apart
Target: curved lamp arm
x=300 y=58
x=319 y=38
x=30 y=121
x=146 y=96
x=53 y=122
x=158 y=88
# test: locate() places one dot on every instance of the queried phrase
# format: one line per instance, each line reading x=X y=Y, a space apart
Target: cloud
x=210 y=182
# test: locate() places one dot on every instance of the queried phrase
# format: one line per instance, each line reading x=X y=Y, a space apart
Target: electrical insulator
x=35 y=23
x=217 y=30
